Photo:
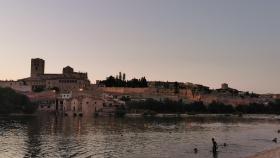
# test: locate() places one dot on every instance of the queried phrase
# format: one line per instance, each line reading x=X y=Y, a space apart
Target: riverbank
x=245 y=116
x=24 y=114
x=180 y=115
x=273 y=153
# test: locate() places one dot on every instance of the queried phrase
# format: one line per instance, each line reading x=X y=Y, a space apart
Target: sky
x=206 y=42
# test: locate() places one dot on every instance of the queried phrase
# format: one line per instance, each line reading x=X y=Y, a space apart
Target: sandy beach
x=273 y=153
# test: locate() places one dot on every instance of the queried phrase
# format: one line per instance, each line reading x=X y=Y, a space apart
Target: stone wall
x=15 y=85
x=122 y=90
x=184 y=94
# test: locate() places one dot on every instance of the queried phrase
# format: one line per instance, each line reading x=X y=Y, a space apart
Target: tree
x=176 y=87
x=216 y=107
x=197 y=107
x=143 y=82
x=12 y=102
x=117 y=82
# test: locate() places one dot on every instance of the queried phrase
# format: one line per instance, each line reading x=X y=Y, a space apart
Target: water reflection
x=50 y=136
x=215 y=155
x=33 y=142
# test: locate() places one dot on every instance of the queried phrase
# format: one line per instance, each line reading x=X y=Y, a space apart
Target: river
x=50 y=136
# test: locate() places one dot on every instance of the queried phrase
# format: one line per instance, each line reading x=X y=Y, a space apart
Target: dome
x=68 y=70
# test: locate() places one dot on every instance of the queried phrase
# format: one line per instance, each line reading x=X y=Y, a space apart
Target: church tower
x=37 y=67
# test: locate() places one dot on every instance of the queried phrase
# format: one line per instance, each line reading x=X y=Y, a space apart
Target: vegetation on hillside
x=168 y=106
x=13 y=102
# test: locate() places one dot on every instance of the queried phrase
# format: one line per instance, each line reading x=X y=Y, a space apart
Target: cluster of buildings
x=68 y=93
x=189 y=92
x=67 y=81
x=71 y=93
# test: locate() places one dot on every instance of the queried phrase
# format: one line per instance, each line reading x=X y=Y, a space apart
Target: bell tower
x=37 y=67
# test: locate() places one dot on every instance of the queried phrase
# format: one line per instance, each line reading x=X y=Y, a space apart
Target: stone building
x=86 y=103
x=224 y=86
x=37 y=67
x=69 y=80
x=80 y=103
x=81 y=106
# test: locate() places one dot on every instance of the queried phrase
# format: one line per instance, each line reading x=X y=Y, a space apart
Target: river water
x=50 y=136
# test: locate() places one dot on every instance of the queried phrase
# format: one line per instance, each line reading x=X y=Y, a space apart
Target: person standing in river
x=215 y=146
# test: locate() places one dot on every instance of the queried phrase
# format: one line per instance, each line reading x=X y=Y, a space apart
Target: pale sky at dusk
x=201 y=41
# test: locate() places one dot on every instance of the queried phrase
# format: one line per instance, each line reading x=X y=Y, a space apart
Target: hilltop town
x=72 y=93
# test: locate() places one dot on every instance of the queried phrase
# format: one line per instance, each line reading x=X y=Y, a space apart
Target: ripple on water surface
x=49 y=136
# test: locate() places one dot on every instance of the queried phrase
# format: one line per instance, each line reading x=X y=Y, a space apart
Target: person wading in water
x=215 y=146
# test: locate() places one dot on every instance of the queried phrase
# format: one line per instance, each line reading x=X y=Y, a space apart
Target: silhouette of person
x=215 y=146
x=195 y=150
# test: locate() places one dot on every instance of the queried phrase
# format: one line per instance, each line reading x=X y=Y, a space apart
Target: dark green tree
x=13 y=102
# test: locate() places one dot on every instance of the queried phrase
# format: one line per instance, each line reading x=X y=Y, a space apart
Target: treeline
x=117 y=82
x=12 y=102
x=168 y=106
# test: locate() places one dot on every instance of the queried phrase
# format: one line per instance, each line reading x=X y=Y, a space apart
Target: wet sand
x=273 y=153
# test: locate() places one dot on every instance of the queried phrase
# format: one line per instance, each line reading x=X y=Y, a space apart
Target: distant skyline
x=207 y=42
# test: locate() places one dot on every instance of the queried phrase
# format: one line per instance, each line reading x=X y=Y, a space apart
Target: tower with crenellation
x=37 y=67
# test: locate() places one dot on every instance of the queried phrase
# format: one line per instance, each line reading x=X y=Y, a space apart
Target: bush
x=253 y=109
x=12 y=102
x=166 y=106
x=220 y=108
x=196 y=107
x=169 y=106
x=120 y=112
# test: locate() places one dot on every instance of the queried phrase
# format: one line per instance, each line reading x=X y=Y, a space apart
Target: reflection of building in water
x=34 y=142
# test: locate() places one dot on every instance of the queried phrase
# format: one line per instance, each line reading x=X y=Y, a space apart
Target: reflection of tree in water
x=68 y=136
x=39 y=129
x=124 y=136
x=33 y=138
x=228 y=119
x=71 y=135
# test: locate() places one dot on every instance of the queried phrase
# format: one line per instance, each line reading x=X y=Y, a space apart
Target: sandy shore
x=274 y=153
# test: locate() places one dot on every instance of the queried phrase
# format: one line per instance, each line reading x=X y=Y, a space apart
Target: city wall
x=184 y=94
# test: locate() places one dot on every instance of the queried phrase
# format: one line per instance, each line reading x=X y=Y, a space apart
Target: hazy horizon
x=204 y=42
